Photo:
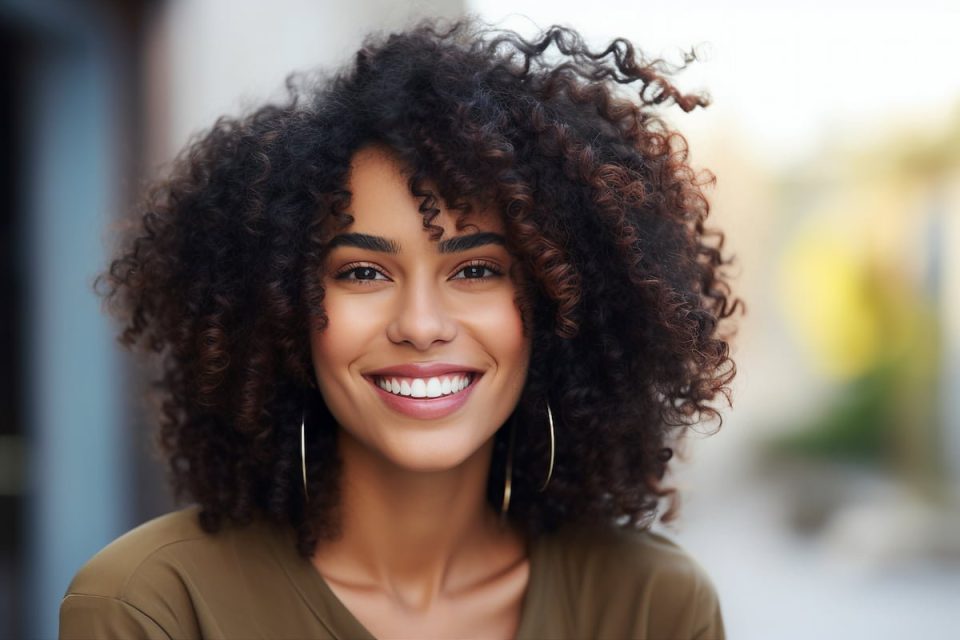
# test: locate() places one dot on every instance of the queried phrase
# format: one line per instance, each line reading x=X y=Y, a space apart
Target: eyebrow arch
x=380 y=244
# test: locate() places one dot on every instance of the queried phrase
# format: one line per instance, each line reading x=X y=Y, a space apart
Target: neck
x=417 y=535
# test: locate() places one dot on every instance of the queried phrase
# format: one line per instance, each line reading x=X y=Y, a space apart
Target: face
x=423 y=357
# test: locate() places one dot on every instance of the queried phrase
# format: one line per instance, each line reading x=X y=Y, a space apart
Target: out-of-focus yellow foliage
x=823 y=292
x=850 y=278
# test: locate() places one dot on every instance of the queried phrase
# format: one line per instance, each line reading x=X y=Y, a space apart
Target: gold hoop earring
x=552 y=449
x=508 y=480
x=303 y=453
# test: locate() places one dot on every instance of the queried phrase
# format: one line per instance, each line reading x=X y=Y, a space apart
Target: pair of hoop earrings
x=508 y=480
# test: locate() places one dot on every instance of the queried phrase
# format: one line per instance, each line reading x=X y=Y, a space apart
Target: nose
x=421 y=318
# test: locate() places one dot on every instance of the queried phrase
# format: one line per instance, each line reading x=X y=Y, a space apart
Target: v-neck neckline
x=334 y=615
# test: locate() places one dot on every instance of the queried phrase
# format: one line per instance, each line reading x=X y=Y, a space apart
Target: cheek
x=349 y=328
x=503 y=333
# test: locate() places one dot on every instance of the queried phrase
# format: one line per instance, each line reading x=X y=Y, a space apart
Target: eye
x=479 y=271
x=360 y=273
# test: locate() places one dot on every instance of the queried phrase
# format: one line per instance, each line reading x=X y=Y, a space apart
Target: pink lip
x=425 y=408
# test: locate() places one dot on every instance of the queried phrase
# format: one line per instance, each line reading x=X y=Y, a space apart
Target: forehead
x=381 y=200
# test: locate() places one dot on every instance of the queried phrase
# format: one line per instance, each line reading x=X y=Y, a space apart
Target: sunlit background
x=827 y=505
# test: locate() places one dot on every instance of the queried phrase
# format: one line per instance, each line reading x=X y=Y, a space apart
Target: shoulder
x=142 y=580
x=631 y=554
x=635 y=582
x=116 y=569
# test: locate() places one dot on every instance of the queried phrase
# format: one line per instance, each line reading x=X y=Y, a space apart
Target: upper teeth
x=424 y=387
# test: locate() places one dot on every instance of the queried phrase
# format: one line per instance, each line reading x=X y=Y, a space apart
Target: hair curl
x=624 y=294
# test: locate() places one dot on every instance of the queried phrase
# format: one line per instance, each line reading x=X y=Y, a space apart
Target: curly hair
x=623 y=294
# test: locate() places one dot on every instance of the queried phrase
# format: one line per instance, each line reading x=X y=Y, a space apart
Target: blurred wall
x=68 y=68
x=210 y=57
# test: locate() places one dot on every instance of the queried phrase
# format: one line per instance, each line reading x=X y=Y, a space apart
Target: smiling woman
x=430 y=332
x=415 y=316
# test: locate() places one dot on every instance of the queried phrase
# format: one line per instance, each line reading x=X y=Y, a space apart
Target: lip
x=424 y=408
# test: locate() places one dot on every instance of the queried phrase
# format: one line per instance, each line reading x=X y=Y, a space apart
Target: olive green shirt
x=170 y=579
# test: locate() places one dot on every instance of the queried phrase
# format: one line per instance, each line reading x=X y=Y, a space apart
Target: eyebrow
x=364 y=241
x=380 y=244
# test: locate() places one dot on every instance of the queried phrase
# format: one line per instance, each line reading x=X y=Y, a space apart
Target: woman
x=429 y=333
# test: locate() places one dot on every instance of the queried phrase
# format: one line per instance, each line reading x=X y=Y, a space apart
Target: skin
x=422 y=554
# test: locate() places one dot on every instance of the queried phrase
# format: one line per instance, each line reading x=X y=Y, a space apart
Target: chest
x=490 y=610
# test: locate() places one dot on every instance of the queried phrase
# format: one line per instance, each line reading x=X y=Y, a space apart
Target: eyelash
x=351 y=268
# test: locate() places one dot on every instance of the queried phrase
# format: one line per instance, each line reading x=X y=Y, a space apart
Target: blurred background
x=827 y=505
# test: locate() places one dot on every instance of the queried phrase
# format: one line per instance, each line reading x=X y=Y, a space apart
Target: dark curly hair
x=624 y=287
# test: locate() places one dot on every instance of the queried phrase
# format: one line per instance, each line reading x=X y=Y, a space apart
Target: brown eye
x=474 y=272
x=363 y=273
x=479 y=271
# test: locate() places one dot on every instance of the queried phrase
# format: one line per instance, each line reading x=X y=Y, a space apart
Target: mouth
x=431 y=398
x=426 y=388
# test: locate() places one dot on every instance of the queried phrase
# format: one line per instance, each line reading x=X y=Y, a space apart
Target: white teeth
x=424 y=388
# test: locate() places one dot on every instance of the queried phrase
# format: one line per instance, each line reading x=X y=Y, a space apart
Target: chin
x=431 y=452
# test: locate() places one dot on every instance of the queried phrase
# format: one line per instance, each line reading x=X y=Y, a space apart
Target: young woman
x=430 y=332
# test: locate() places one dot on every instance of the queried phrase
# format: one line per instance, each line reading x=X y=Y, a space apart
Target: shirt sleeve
x=88 y=617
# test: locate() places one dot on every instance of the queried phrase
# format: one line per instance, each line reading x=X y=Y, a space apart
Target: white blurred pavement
x=777 y=584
